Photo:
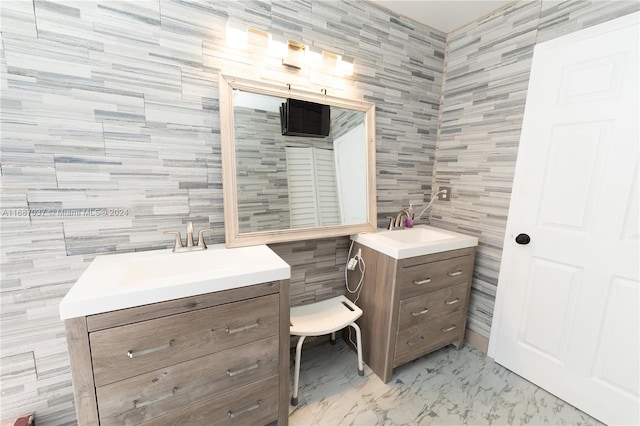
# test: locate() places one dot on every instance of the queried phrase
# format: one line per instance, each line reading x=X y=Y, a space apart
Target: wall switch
x=444 y=196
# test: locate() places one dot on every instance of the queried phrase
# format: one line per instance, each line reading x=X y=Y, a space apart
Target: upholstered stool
x=318 y=319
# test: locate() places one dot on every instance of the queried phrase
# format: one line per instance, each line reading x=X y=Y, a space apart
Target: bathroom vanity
x=161 y=338
x=415 y=293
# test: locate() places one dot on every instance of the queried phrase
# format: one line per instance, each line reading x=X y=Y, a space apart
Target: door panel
x=619 y=369
x=592 y=80
x=571 y=176
x=546 y=330
x=567 y=304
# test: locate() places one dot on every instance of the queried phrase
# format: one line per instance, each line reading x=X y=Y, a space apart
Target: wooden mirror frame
x=233 y=236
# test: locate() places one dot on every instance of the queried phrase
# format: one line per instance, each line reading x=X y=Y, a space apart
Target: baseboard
x=477 y=340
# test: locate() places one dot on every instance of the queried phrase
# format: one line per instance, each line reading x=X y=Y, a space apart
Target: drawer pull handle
x=416 y=342
x=232 y=373
x=138 y=404
x=132 y=354
x=422 y=312
x=416 y=282
x=454 y=274
x=452 y=302
x=446 y=330
x=243 y=328
x=244 y=410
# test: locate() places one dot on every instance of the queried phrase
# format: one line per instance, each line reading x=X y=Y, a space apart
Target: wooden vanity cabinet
x=412 y=306
x=217 y=358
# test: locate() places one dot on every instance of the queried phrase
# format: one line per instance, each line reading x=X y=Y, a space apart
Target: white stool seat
x=328 y=316
x=320 y=318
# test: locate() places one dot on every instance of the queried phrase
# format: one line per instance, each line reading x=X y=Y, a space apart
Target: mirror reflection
x=297 y=181
x=296 y=165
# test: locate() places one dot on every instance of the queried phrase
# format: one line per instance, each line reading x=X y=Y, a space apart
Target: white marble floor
x=447 y=387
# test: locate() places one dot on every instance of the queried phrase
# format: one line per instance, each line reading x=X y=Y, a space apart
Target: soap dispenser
x=408 y=222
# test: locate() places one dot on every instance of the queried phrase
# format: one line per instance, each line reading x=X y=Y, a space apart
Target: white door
x=326 y=187
x=311 y=180
x=567 y=305
x=301 y=184
x=351 y=171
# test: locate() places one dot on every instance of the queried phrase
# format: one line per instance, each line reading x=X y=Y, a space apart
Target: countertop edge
x=79 y=304
x=460 y=241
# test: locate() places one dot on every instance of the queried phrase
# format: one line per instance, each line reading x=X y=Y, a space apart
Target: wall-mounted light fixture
x=295 y=55
x=259 y=38
x=237 y=35
x=314 y=56
x=330 y=62
x=345 y=65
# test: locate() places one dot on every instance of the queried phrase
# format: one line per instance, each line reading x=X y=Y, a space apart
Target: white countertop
x=417 y=241
x=125 y=280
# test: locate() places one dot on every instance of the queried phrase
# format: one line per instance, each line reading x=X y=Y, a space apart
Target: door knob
x=523 y=239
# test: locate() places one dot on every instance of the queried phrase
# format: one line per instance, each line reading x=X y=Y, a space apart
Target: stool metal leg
x=296 y=371
x=359 y=344
x=333 y=338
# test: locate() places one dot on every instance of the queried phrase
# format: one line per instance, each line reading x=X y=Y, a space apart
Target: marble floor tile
x=447 y=387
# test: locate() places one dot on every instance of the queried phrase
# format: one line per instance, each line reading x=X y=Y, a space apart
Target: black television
x=302 y=118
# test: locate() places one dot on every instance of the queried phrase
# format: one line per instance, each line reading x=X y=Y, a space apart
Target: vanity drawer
x=418 y=309
x=255 y=404
x=425 y=277
x=121 y=352
x=422 y=338
x=154 y=394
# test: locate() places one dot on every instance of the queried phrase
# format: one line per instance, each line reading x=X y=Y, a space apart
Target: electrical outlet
x=352 y=264
x=446 y=194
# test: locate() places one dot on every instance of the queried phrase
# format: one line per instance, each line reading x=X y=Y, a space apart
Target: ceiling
x=443 y=15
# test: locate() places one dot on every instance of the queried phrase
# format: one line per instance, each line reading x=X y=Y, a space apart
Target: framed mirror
x=296 y=165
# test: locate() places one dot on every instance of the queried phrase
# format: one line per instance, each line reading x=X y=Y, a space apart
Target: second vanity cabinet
x=412 y=306
x=217 y=358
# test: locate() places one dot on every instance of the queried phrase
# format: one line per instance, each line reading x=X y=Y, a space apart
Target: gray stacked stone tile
x=111 y=135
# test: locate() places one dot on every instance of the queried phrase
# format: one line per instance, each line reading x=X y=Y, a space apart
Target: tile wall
x=261 y=170
x=111 y=135
x=487 y=66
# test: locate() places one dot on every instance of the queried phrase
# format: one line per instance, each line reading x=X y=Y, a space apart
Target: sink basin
x=183 y=267
x=416 y=241
x=416 y=235
x=120 y=281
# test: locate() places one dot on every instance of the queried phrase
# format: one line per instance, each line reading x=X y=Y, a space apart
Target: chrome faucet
x=179 y=248
x=189 y=234
x=398 y=222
